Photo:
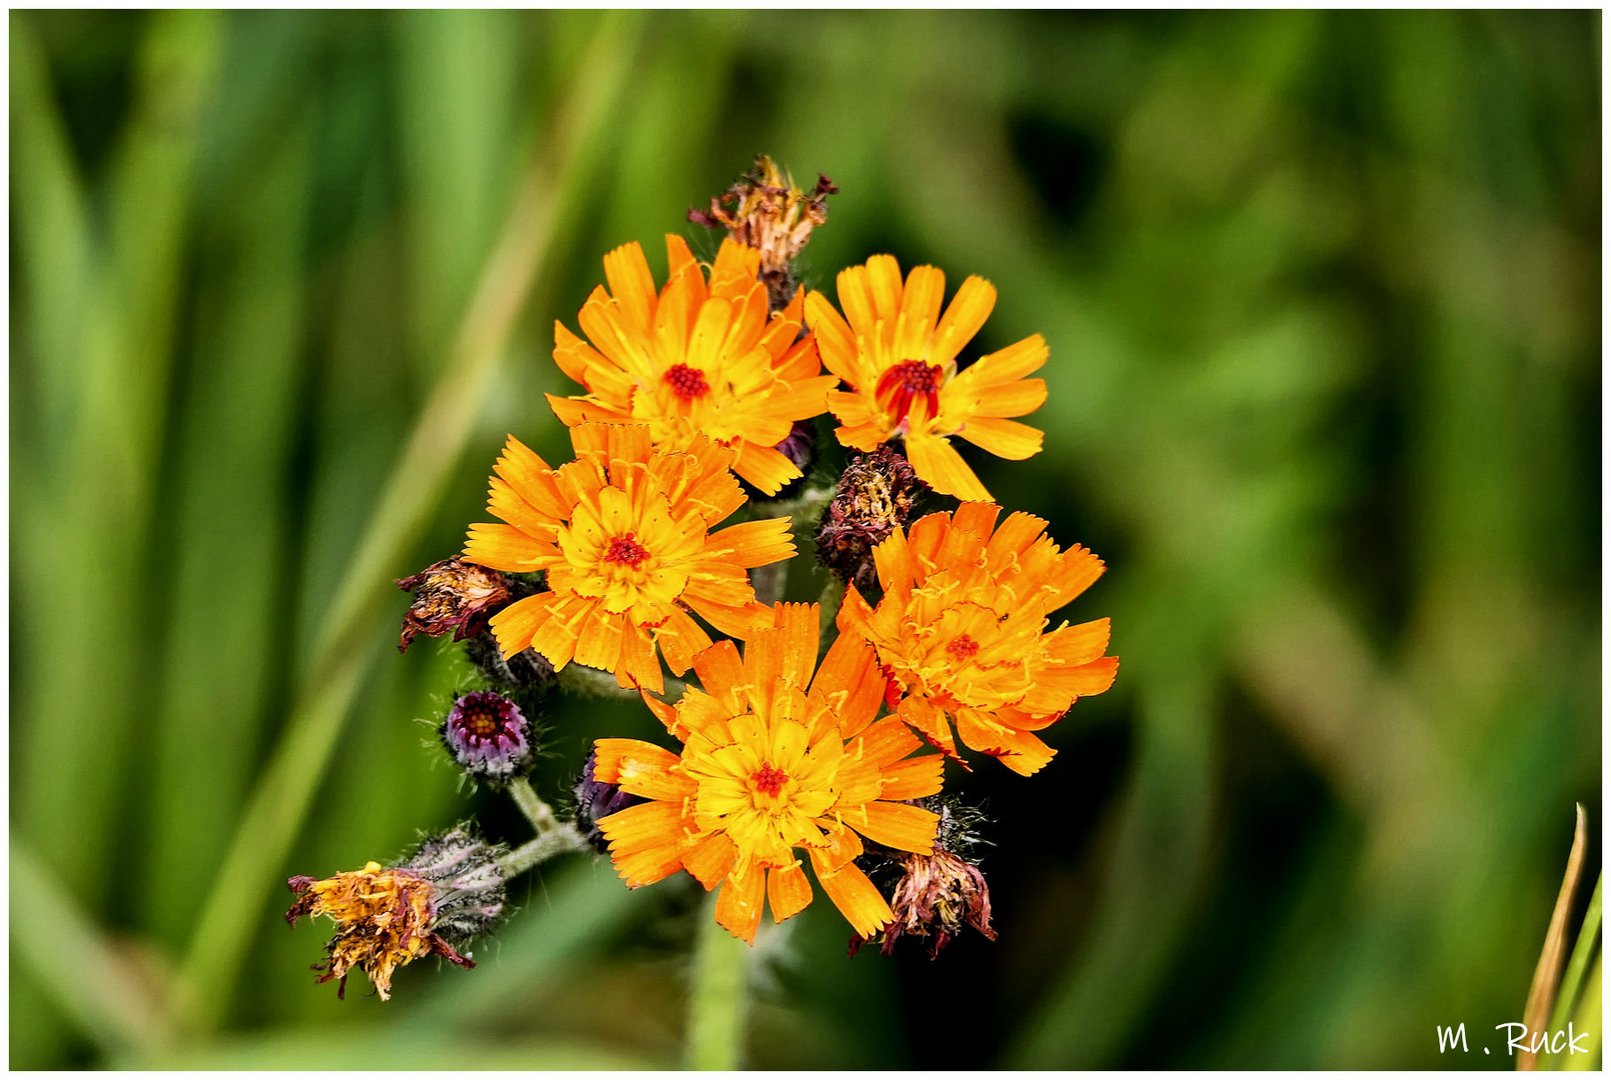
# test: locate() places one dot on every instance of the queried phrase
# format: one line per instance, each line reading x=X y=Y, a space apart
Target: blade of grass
x=1547 y=974
x=1574 y=1000
x=234 y=422
x=283 y=795
x=112 y=432
x=67 y=953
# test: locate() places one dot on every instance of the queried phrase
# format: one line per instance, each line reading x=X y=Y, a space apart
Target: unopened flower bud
x=488 y=736
x=801 y=445
x=467 y=884
x=387 y=918
x=876 y=496
x=596 y=800
x=765 y=211
x=451 y=595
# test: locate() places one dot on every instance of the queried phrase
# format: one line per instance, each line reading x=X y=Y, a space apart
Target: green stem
x=802 y=507
x=716 y=998
x=592 y=682
x=539 y=813
x=561 y=840
x=833 y=596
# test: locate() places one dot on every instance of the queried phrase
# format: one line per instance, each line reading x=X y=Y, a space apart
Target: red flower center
x=626 y=551
x=686 y=382
x=482 y=725
x=908 y=380
x=768 y=781
x=963 y=647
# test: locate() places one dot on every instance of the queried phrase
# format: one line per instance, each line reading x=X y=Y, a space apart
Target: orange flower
x=959 y=631
x=898 y=358
x=698 y=358
x=622 y=534
x=776 y=761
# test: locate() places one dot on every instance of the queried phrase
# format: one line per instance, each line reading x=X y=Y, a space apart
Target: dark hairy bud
x=876 y=496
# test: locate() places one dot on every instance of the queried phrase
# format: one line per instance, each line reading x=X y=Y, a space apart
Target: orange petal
x=631 y=284
x=721 y=673
x=711 y=859
x=641 y=768
x=680 y=639
x=1009 y=399
x=638 y=666
x=738 y=905
x=646 y=841
x=937 y=462
x=522 y=623
x=968 y=311
x=930 y=722
x=504 y=547
x=1080 y=644
x=836 y=342
x=885 y=742
x=1009 y=364
x=752 y=543
x=572 y=411
x=764 y=467
x=850 y=682
x=1004 y=438
x=896 y=825
x=1023 y=753
x=914 y=778
x=841 y=847
x=788 y=891
x=855 y=896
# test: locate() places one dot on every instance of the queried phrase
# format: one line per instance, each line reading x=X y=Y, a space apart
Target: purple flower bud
x=488 y=736
x=596 y=800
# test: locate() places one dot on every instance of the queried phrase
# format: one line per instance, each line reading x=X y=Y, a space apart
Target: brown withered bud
x=876 y=495
x=451 y=595
x=937 y=896
x=765 y=211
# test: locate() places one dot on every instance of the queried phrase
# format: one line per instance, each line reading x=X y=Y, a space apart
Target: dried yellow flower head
x=450 y=890
x=765 y=211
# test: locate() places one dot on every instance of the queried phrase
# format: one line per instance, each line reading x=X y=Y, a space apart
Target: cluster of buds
x=434 y=904
x=765 y=211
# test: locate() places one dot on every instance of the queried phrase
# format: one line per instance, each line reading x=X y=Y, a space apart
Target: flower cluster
x=807 y=750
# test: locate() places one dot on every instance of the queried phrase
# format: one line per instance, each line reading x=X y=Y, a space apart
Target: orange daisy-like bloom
x=698 y=358
x=775 y=762
x=960 y=631
x=898 y=358
x=623 y=535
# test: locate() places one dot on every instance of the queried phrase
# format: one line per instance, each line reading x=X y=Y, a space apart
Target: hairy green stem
x=539 y=813
x=562 y=839
x=716 y=998
x=802 y=507
x=592 y=682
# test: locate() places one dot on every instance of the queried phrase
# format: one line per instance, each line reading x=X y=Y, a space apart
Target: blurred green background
x=1322 y=293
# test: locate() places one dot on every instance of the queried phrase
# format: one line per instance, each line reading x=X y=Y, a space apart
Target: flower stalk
x=716 y=999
